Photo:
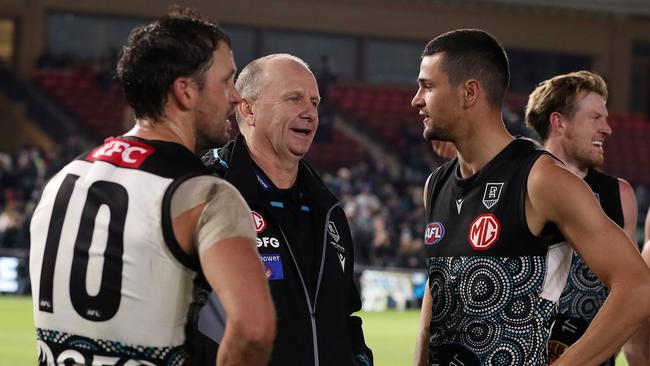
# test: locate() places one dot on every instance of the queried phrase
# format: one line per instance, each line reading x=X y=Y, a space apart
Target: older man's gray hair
x=249 y=82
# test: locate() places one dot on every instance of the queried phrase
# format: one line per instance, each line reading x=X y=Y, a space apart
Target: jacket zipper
x=312 y=308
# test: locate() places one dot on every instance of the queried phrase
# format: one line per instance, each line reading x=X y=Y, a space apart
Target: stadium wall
x=608 y=38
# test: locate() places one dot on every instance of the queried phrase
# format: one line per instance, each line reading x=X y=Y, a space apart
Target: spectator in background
x=149 y=190
x=12 y=220
x=326 y=79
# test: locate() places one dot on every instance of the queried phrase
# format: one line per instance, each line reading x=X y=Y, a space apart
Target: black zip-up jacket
x=315 y=326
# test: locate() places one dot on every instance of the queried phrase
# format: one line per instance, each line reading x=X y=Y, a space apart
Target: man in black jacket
x=303 y=239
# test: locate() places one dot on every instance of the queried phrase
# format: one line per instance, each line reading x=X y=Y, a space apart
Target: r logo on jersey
x=259 y=222
x=484 y=231
x=433 y=233
x=491 y=194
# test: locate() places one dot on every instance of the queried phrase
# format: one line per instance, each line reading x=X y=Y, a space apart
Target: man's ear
x=245 y=108
x=556 y=123
x=185 y=92
x=471 y=92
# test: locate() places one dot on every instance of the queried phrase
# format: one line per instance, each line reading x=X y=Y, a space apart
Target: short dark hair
x=473 y=54
x=178 y=44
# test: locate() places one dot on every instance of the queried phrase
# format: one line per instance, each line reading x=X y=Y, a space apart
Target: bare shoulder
x=550 y=175
x=626 y=190
x=554 y=193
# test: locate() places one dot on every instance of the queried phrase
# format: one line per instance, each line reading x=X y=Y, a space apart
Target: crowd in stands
x=385 y=211
x=22 y=176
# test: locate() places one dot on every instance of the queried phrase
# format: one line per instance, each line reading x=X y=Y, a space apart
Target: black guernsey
x=494 y=285
x=584 y=294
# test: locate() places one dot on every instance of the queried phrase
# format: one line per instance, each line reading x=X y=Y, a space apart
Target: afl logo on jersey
x=259 y=222
x=484 y=231
x=434 y=233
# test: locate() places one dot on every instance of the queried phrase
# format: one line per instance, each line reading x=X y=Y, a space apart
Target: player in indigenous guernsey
x=496 y=221
x=569 y=114
x=120 y=232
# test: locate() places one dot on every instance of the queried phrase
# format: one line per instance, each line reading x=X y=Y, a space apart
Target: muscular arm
x=219 y=231
x=558 y=196
x=233 y=269
x=422 y=343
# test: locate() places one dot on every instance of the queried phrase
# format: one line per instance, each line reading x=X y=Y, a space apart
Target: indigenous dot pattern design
x=583 y=294
x=490 y=305
x=164 y=356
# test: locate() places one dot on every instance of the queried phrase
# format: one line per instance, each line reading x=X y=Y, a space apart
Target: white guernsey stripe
x=558 y=262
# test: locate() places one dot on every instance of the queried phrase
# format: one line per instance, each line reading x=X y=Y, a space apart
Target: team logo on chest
x=433 y=233
x=331 y=228
x=259 y=222
x=334 y=233
x=484 y=231
x=492 y=194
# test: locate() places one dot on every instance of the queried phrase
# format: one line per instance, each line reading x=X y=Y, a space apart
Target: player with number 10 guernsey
x=121 y=232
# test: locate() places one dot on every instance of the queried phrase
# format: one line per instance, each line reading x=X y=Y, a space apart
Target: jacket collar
x=241 y=173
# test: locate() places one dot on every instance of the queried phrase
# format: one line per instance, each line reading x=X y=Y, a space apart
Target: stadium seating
x=341 y=151
x=385 y=112
x=382 y=111
x=102 y=111
x=78 y=92
x=627 y=150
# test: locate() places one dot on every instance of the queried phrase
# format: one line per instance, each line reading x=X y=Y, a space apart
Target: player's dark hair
x=178 y=44
x=473 y=54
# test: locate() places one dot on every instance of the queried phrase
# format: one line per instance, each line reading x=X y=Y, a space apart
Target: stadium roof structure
x=639 y=8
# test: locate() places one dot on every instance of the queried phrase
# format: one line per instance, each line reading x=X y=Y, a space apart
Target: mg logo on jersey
x=484 y=231
x=433 y=233
x=491 y=194
x=124 y=153
x=259 y=222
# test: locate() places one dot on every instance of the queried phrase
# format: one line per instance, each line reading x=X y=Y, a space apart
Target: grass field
x=391 y=335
